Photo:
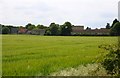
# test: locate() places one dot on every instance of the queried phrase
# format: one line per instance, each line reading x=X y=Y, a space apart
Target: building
x=42 y=31
x=79 y=30
x=119 y=10
x=102 y=31
x=14 y=30
x=38 y=31
x=22 y=30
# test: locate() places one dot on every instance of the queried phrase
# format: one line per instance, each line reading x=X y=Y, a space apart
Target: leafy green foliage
x=30 y=26
x=114 y=22
x=5 y=30
x=41 y=26
x=111 y=59
x=54 y=29
x=47 y=32
x=66 y=29
x=115 y=30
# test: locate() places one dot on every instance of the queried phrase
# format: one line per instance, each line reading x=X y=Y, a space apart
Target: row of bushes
x=110 y=58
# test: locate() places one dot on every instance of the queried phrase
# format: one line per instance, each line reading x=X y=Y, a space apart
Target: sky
x=88 y=13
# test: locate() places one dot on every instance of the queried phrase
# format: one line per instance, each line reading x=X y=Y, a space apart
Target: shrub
x=111 y=59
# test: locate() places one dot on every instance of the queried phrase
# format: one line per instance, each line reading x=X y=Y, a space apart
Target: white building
x=119 y=10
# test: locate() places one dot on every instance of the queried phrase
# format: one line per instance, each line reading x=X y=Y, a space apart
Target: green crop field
x=30 y=55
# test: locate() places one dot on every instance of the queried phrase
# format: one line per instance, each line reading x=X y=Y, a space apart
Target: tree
x=5 y=30
x=88 y=28
x=66 y=29
x=1 y=28
x=30 y=26
x=115 y=30
x=41 y=26
x=108 y=26
x=54 y=29
x=47 y=32
x=115 y=21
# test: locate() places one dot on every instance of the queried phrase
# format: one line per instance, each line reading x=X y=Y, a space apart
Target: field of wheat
x=31 y=55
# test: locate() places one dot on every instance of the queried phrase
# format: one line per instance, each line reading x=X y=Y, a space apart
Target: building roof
x=93 y=31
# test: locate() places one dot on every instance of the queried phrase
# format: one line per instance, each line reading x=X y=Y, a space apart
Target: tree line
x=53 y=29
x=64 y=30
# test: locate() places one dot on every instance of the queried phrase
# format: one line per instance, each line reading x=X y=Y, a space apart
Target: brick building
x=79 y=30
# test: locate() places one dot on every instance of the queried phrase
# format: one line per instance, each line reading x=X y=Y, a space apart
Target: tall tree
x=115 y=21
x=115 y=30
x=54 y=29
x=66 y=29
x=108 y=26
x=5 y=30
x=41 y=26
x=30 y=26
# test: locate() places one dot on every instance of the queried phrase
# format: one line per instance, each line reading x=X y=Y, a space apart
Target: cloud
x=79 y=12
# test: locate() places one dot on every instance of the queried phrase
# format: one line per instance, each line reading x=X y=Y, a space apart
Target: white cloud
x=81 y=12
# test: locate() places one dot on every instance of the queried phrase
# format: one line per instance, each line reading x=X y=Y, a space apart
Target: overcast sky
x=91 y=13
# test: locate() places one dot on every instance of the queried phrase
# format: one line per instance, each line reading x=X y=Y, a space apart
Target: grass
x=0 y=55
x=88 y=70
x=30 y=55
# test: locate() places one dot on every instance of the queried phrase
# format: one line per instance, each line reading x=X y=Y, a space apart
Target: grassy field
x=29 y=55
